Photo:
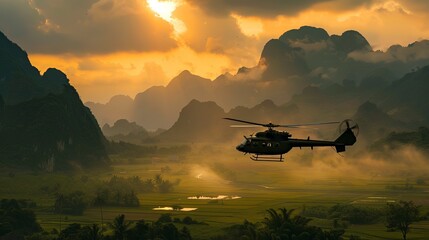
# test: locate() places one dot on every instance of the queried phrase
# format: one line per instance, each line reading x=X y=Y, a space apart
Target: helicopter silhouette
x=264 y=145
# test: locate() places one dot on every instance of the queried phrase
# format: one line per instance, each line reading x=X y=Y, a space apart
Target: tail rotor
x=349 y=124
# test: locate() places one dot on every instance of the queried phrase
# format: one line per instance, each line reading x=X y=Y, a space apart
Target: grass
x=260 y=185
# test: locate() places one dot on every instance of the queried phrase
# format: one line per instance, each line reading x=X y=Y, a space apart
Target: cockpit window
x=246 y=141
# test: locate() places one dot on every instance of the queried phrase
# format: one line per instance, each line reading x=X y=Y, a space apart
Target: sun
x=164 y=9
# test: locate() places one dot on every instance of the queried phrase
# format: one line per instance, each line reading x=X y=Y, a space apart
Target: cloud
x=98 y=65
x=19 y=17
x=220 y=35
x=252 y=74
x=152 y=74
x=84 y=26
x=271 y=8
x=416 y=5
x=413 y=52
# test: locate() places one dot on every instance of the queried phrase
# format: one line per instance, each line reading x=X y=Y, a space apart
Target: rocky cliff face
x=43 y=122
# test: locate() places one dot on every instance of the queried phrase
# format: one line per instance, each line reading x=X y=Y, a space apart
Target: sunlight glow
x=249 y=26
x=164 y=10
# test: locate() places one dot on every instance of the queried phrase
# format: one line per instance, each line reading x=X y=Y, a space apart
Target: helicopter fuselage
x=265 y=146
x=272 y=142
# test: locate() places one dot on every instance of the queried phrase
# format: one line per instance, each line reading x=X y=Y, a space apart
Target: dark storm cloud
x=270 y=8
x=17 y=16
x=84 y=26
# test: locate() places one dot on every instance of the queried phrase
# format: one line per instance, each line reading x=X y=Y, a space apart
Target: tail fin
x=346 y=139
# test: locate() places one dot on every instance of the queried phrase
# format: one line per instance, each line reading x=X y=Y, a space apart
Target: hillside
x=43 y=123
x=406 y=99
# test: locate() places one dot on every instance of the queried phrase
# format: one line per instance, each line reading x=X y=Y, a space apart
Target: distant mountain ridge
x=398 y=106
x=43 y=123
x=203 y=121
x=298 y=61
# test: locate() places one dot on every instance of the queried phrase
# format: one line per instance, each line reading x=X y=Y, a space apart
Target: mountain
x=375 y=123
x=123 y=127
x=281 y=60
x=368 y=103
x=342 y=70
x=122 y=105
x=19 y=80
x=125 y=131
x=406 y=98
x=203 y=121
x=394 y=140
x=197 y=122
x=43 y=123
x=158 y=107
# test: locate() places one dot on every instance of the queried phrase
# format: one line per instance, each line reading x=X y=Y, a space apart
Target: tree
x=185 y=234
x=15 y=219
x=72 y=203
x=140 y=230
x=165 y=218
x=72 y=231
x=93 y=232
x=281 y=225
x=401 y=215
x=169 y=232
x=100 y=200
x=58 y=207
x=119 y=227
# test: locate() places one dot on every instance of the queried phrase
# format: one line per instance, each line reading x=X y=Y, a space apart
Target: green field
x=257 y=187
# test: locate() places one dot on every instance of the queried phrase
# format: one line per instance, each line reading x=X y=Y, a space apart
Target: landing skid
x=266 y=158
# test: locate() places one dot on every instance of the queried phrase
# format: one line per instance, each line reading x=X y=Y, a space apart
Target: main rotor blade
x=242 y=121
x=307 y=124
x=271 y=125
x=245 y=126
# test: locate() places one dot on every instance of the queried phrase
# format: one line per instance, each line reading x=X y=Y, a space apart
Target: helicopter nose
x=240 y=147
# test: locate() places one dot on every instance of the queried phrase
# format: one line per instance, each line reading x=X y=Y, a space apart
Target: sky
x=110 y=47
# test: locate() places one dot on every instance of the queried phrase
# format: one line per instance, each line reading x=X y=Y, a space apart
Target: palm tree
x=250 y=231
x=99 y=201
x=119 y=227
x=276 y=221
x=282 y=225
x=59 y=206
x=93 y=232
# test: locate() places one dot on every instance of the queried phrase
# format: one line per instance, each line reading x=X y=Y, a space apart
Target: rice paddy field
x=226 y=191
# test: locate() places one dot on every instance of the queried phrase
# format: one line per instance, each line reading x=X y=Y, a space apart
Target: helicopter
x=265 y=145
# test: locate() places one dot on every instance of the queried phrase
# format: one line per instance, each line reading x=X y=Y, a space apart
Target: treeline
x=118 y=229
x=155 y=184
x=343 y=214
x=419 y=139
x=117 y=191
x=281 y=224
x=19 y=223
x=125 y=149
x=16 y=217
x=277 y=225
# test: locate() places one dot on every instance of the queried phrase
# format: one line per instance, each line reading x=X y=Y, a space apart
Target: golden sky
x=109 y=47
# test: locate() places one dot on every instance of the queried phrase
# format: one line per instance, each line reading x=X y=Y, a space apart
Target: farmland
x=225 y=191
